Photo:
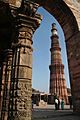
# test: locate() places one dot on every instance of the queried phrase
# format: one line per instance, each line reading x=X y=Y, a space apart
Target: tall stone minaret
x=57 y=80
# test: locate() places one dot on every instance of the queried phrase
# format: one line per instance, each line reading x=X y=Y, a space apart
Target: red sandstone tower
x=57 y=80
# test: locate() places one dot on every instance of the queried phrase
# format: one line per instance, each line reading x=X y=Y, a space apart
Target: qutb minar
x=57 y=79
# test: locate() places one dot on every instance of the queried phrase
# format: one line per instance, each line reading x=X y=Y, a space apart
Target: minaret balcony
x=54 y=36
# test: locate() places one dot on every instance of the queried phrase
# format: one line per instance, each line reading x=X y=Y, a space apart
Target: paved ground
x=50 y=114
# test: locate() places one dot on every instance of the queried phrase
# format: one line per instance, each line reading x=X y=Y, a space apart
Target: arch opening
x=69 y=24
x=41 y=46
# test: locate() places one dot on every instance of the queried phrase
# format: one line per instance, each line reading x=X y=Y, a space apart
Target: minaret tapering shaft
x=57 y=80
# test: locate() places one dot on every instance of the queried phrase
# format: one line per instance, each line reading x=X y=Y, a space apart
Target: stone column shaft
x=21 y=81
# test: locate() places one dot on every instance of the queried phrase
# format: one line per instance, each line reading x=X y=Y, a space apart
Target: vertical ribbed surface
x=20 y=107
x=6 y=80
x=57 y=79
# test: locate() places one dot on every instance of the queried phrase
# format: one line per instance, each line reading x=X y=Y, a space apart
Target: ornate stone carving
x=24 y=24
x=28 y=7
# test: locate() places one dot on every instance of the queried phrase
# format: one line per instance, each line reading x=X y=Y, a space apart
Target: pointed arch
x=63 y=15
x=70 y=25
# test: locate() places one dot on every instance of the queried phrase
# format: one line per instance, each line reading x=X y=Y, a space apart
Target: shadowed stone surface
x=67 y=14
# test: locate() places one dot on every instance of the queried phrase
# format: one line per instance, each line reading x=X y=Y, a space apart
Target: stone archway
x=67 y=14
x=69 y=21
x=67 y=18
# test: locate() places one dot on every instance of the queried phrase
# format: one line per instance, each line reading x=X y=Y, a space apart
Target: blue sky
x=41 y=52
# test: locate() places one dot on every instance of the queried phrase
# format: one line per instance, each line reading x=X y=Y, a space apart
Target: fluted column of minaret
x=57 y=80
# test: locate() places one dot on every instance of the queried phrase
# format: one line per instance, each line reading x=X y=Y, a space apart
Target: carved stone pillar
x=6 y=79
x=21 y=85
